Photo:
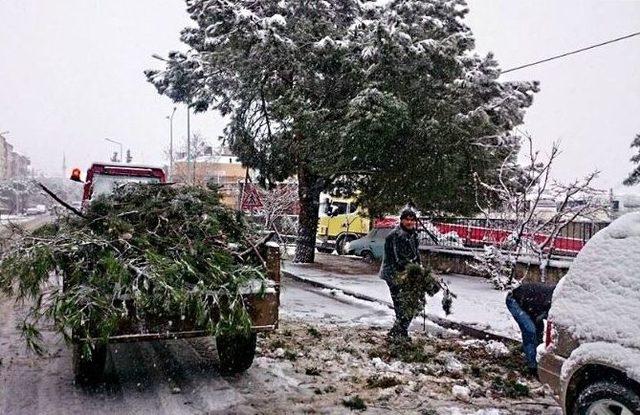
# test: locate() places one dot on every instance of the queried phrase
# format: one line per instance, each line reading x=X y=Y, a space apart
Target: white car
x=37 y=210
x=591 y=356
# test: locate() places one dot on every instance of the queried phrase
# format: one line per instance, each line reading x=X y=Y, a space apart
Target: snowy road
x=170 y=377
x=180 y=377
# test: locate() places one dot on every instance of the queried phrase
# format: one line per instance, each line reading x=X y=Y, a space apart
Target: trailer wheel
x=89 y=370
x=235 y=352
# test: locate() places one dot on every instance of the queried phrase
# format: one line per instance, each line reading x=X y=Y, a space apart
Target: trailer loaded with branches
x=145 y=262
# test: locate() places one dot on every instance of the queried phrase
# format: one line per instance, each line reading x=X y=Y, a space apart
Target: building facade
x=219 y=167
x=12 y=164
x=3 y=158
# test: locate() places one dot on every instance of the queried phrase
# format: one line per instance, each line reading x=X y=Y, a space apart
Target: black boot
x=398 y=334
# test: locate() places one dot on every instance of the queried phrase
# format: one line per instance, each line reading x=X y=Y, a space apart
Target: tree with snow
x=519 y=191
x=634 y=176
x=388 y=99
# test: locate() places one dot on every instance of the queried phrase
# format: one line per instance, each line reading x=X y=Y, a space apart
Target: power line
x=572 y=52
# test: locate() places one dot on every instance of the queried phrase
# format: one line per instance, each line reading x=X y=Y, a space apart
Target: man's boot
x=398 y=333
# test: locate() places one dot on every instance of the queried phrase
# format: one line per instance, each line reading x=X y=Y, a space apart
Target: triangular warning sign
x=251 y=199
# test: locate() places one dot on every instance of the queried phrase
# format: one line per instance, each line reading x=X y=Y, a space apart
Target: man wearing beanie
x=400 y=250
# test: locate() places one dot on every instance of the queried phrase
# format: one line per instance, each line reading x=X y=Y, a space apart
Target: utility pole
x=170 y=118
x=193 y=180
x=64 y=167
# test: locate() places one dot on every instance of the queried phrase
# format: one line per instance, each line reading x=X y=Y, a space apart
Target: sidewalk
x=478 y=304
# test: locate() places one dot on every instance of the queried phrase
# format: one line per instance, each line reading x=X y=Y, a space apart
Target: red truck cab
x=102 y=177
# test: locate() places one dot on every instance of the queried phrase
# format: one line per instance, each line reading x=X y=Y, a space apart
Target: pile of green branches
x=145 y=253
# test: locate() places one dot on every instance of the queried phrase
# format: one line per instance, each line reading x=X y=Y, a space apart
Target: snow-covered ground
x=357 y=369
x=478 y=303
x=325 y=357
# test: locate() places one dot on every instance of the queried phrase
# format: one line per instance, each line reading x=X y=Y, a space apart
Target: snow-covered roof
x=599 y=297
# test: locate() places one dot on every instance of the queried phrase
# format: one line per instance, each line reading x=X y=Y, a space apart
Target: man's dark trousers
x=403 y=319
x=531 y=331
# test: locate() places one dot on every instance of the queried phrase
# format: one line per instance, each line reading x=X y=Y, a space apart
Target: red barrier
x=479 y=235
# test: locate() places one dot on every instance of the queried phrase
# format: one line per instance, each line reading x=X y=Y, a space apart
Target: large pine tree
x=384 y=97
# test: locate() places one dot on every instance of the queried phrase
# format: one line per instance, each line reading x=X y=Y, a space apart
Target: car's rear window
x=104 y=184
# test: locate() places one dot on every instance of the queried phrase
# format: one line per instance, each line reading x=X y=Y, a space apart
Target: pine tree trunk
x=308 y=195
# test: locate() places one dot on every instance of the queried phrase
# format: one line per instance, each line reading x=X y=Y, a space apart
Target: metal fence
x=474 y=232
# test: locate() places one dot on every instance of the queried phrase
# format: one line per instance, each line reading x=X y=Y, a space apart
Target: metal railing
x=456 y=232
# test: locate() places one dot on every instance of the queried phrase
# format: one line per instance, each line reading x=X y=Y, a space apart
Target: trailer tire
x=87 y=371
x=236 y=352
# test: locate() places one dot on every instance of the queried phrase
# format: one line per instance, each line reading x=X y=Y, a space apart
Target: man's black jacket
x=534 y=299
x=400 y=250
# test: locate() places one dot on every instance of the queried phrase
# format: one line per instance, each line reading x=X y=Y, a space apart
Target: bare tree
x=198 y=147
x=277 y=205
x=520 y=191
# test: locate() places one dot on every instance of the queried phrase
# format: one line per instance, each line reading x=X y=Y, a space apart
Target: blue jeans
x=531 y=331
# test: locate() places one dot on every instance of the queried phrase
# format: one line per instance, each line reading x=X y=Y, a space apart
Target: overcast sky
x=71 y=76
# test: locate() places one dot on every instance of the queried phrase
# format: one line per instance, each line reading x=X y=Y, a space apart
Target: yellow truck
x=340 y=221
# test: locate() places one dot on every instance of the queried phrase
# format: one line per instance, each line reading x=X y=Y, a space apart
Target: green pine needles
x=156 y=258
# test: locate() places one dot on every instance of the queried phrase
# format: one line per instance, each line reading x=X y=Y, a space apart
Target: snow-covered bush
x=496 y=266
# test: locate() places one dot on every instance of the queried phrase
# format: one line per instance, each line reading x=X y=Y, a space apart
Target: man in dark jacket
x=400 y=250
x=529 y=304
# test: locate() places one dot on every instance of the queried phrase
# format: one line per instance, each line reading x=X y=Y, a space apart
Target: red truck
x=101 y=178
x=234 y=354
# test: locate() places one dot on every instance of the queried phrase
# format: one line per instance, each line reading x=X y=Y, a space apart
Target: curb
x=442 y=322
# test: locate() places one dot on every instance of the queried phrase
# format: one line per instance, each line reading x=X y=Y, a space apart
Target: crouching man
x=529 y=305
x=400 y=250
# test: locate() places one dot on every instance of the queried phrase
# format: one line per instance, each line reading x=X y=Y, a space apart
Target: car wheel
x=324 y=249
x=367 y=257
x=606 y=398
x=342 y=241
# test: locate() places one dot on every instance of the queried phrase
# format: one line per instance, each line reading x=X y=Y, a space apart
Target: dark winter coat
x=400 y=250
x=534 y=299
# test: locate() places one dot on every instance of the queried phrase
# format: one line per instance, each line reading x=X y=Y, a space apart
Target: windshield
x=104 y=184
x=328 y=208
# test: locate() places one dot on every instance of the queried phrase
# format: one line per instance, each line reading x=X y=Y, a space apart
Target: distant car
x=36 y=210
x=371 y=246
x=591 y=356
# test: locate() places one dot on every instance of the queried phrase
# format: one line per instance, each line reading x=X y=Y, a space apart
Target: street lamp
x=118 y=143
x=189 y=160
x=170 y=118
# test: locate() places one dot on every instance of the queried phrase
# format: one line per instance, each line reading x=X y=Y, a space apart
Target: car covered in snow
x=591 y=355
